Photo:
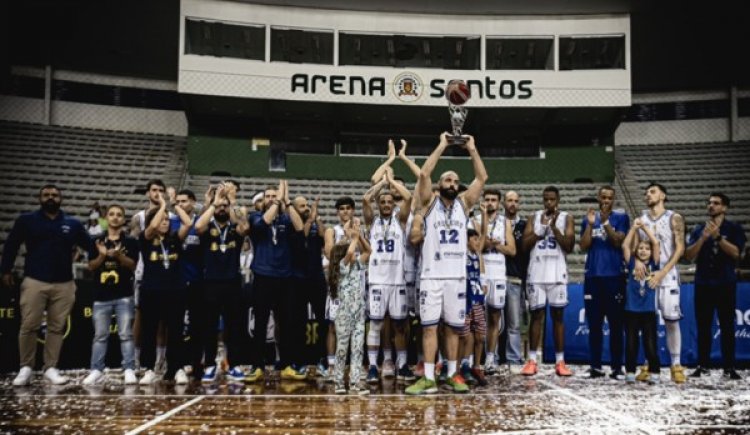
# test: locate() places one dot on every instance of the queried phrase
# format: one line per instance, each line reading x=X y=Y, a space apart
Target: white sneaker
x=389 y=369
x=53 y=376
x=149 y=378
x=161 y=366
x=23 y=377
x=180 y=378
x=94 y=378
x=129 y=377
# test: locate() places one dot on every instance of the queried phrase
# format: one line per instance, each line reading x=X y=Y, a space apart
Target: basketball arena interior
x=99 y=97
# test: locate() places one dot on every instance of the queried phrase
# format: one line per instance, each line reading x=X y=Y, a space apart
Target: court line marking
x=625 y=418
x=164 y=416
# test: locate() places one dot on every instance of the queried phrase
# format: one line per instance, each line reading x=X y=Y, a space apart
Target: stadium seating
x=88 y=165
x=691 y=172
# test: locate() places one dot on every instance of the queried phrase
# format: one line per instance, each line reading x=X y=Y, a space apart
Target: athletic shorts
x=668 y=302
x=443 y=299
x=496 y=293
x=391 y=299
x=539 y=295
x=476 y=321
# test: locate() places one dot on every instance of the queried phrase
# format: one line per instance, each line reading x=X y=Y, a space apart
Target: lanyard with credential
x=385 y=228
x=165 y=255
x=222 y=237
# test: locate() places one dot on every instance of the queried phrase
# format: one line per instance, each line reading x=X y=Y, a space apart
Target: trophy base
x=457 y=140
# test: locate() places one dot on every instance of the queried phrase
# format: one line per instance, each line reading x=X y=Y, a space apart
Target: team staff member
x=515 y=269
x=162 y=295
x=221 y=244
x=272 y=268
x=602 y=233
x=113 y=262
x=191 y=271
x=50 y=236
x=715 y=246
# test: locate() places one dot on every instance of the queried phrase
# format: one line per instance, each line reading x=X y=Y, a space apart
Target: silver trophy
x=457 y=94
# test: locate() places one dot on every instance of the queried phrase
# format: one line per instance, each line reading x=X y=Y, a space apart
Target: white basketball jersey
x=547 y=263
x=662 y=229
x=494 y=261
x=387 y=257
x=444 y=247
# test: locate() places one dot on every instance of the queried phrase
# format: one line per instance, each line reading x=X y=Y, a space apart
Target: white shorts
x=443 y=299
x=391 y=299
x=332 y=307
x=539 y=295
x=668 y=302
x=496 y=293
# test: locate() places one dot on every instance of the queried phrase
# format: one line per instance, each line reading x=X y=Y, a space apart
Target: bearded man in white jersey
x=444 y=254
x=498 y=244
x=549 y=236
x=387 y=287
x=669 y=228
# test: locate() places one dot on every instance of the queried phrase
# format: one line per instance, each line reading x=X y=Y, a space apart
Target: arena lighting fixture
x=390 y=47
x=426 y=51
x=531 y=47
x=459 y=49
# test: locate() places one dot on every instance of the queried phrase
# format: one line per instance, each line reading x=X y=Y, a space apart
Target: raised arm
x=403 y=213
x=424 y=182
x=627 y=244
x=413 y=167
x=367 y=198
x=275 y=207
x=185 y=222
x=161 y=213
x=378 y=174
x=474 y=192
x=416 y=232
x=201 y=225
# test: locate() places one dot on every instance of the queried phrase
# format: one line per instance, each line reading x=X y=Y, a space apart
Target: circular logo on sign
x=407 y=87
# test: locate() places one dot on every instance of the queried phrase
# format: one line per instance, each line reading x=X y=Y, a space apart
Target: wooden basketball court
x=511 y=403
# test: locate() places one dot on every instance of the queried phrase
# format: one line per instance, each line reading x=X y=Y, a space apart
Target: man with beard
x=549 y=236
x=113 y=262
x=602 y=233
x=308 y=268
x=191 y=271
x=50 y=236
x=387 y=287
x=716 y=246
x=272 y=288
x=669 y=228
x=499 y=243
x=221 y=243
x=333 y=236
x=443 y=275
x=515 y=271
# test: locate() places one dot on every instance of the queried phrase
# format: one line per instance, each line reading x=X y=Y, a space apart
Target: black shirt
x=111 y=279
x=516 y=266
x=314 y=252
x=221 y=252
x=161 y=262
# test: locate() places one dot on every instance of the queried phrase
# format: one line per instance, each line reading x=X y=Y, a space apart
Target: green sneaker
x=457 y=383
x=423 y=386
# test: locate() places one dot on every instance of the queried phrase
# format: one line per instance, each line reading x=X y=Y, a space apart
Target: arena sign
x=407 y=87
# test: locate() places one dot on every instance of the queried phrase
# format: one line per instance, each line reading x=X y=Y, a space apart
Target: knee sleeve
x=373 y=335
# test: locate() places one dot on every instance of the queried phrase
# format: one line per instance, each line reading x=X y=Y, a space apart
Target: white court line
x=164 y=416
x=626 y=419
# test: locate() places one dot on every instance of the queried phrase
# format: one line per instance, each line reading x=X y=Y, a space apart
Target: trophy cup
x=457 y=93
